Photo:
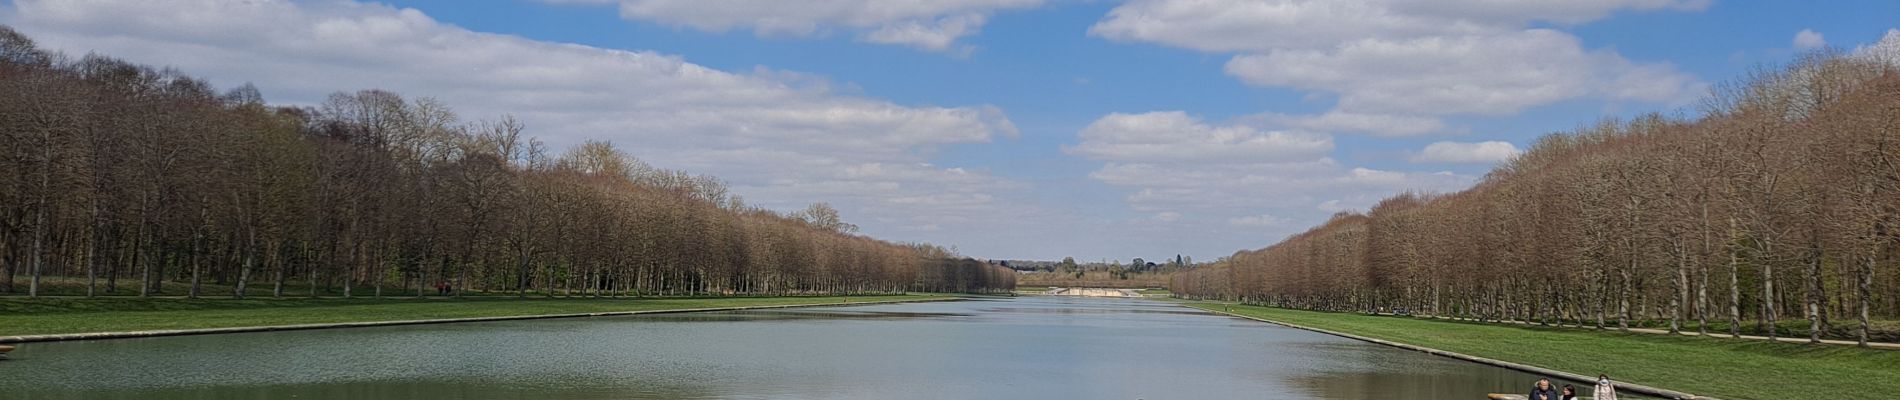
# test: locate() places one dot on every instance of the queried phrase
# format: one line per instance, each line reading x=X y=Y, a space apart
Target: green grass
x=1724 y=368
x=1838 y=329
x=22 y=316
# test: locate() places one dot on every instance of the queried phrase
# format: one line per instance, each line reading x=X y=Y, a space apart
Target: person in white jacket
x=1605 y=390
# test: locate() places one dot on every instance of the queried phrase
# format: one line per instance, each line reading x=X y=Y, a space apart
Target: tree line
x=1778 y=204
x=127 y=176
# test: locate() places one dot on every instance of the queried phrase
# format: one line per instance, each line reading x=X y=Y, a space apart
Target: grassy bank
x=20 y=316
x=1729 y=369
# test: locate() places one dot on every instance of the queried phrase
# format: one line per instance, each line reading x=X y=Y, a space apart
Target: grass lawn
x=1728 y=369
x=22 y=316
x=1839 y=329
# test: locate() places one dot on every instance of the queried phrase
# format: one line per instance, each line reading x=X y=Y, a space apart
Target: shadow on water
x=1354 y=371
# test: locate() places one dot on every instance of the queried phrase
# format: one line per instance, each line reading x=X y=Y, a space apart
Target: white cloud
x=1256 y=220
x=1887 y=48
x=1249 y=25
x=782 y=139
x=1174 y=135
x=1218 y=187
x=1389 y=125
x=930 y=25
x=1174 y=163
x=1257 y=25
x=1808 y=39
x=1288 y=189
x=1393 y=64
x=1491 y=152
x=1518 y=12
x=1334 y=205
x=1471 y=74
x=936 y=35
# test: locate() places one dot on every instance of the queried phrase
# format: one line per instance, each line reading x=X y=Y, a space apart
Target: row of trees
x=129 y=176
x=1780 y=203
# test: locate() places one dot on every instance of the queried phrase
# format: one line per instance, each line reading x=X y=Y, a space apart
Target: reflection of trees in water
x=1050 y=310
x=734 y=316
x=1364 y=371
x=402 y=389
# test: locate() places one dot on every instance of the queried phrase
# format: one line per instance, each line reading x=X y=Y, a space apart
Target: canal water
x=1015 y=348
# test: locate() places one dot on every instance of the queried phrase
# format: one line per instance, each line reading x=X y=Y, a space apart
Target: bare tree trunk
x=465 y=281
x=1682 y=289
x=313 y=278
x=422 y=280
x=356 y=260
x=382 y=255
x=112 y=271
x=1734 y=293
x=39 y=213
x=1623 y=296
x=92 y=262
x=195 y=278
x=197 y=266
x=1603 y=298
x=1768 y=299
x=277 y=287
x=250 y=259
x=1814 y=294
x=145 y=268
x=1862 y=286
x=1702 y=296
x=1702 y=274
x=38 y=256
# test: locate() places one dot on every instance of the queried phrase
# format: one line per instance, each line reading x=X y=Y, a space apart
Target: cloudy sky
x=1026 y=129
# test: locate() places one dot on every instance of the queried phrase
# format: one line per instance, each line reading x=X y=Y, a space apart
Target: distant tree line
x=1068 y=265
x=1780 y=203
x=129 y=176
x=1138 y=273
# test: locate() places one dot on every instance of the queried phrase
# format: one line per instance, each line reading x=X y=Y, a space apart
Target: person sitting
x=1543 y=391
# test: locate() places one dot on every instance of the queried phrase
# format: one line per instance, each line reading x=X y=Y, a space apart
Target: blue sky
x=1007 y=128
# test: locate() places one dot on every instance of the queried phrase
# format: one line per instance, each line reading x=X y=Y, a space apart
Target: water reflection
x=1068 y=310
x=1002 y=348
x=768 y=315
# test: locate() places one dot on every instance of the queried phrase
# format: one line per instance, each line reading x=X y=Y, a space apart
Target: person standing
x=1543 y=391
x=1570 y=393
x=1605 y=390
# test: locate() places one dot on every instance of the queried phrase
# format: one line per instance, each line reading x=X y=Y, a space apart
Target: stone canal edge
x=1621 y=386
x=338 y=325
